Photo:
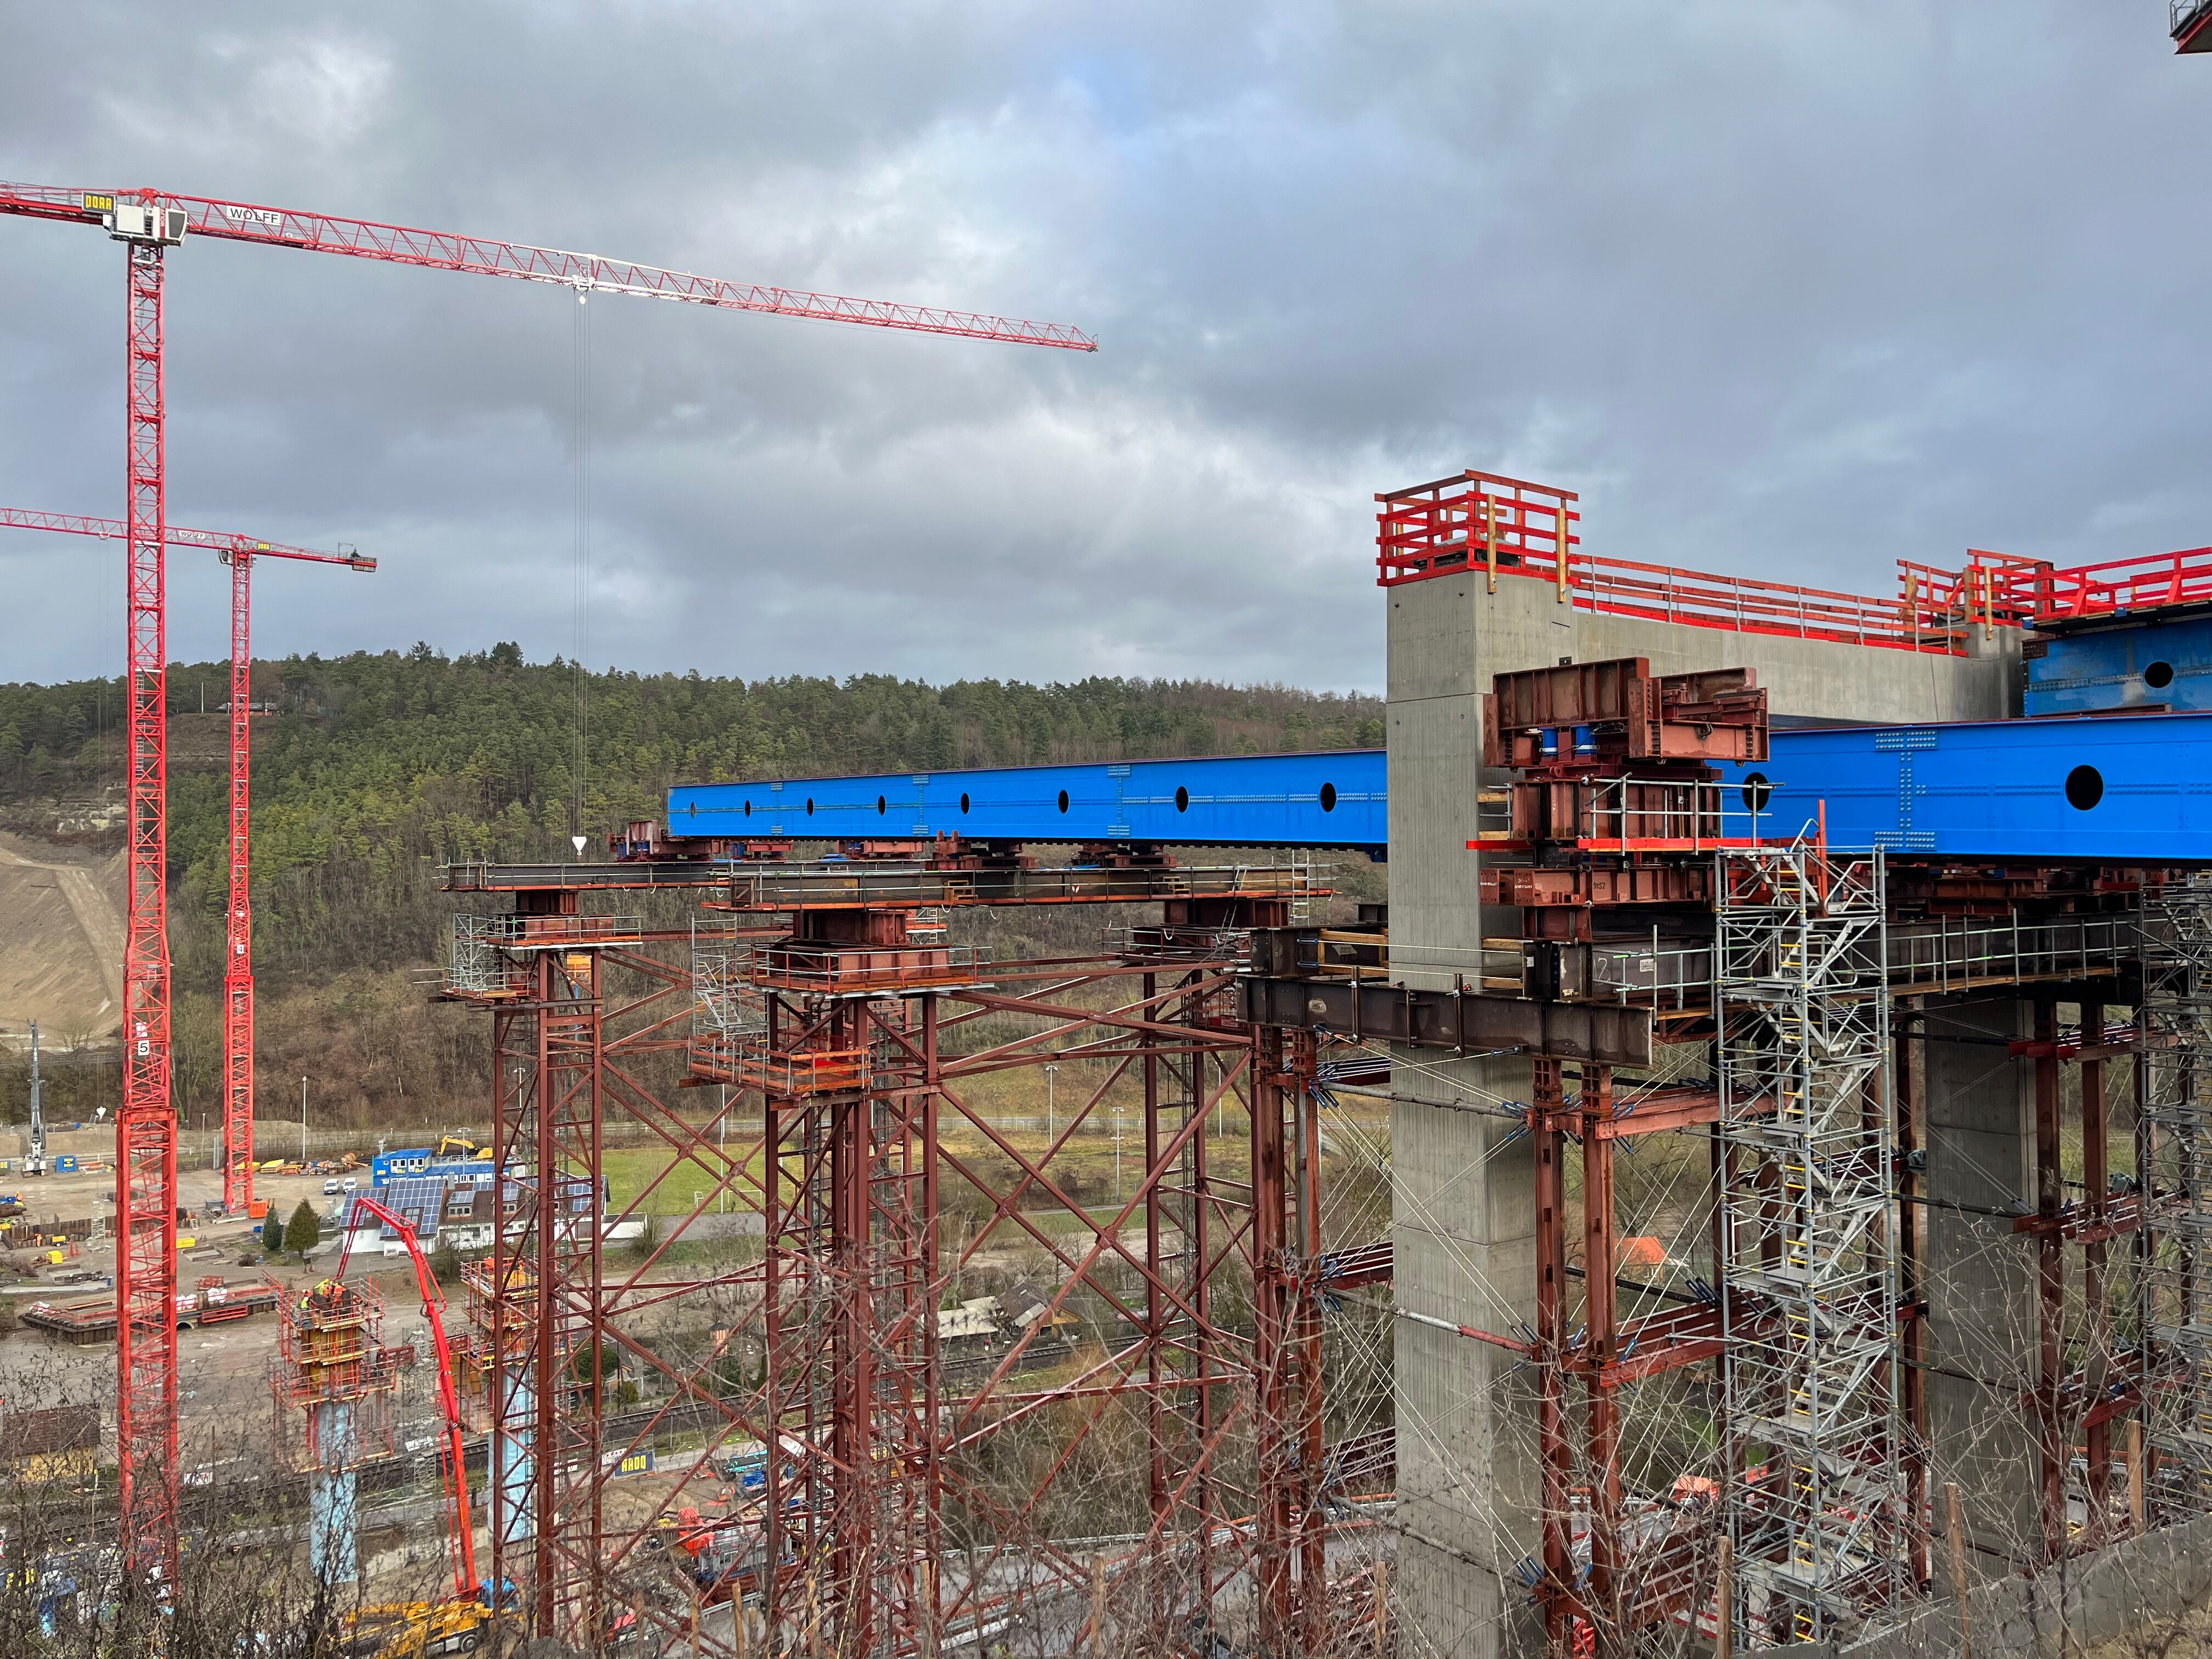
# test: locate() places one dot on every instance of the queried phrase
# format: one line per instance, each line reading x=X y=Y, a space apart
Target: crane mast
x=238 y=552
x=146 y=1130
x=238 y=910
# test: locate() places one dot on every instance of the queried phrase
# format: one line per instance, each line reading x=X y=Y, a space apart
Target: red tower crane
x=238 y=552
x=150 y=222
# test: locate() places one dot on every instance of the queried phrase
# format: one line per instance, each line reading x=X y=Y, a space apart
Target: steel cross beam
x=238 y=552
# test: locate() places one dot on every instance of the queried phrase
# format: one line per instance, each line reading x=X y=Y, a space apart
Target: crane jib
x=365 y=238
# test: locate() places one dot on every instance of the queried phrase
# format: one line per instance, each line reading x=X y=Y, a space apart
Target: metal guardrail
x=745 y=1062
x=776 y=888
x=487 y=950
x=1177 y=943
x=513 y=933
x=2112 y=586
x=1941 y=956
x=1505 y=527
x=825 y=969
x=1637 y=814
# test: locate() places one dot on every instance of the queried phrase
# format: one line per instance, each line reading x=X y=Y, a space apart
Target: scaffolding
x=2175 y=1032
x=490 y=954
x=1814 y=1485
x=332 y=1363
x=478 y=966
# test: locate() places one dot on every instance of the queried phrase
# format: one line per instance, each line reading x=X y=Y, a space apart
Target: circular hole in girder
x=1182 y=800
x=1328 y=798
x=880 y=806
x=2159 y=676
x=809 y=806
x=749 y=809
x=1063 y=800
x=2085 y=787
x=1757 y=791
x=964 y=800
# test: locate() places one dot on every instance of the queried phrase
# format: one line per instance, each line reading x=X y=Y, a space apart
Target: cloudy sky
x=1792 y=289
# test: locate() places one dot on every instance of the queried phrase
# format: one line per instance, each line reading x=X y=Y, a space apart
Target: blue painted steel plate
x=2167 y=663
x=1332 y=799
x=2127 y=788
x=2113 y=788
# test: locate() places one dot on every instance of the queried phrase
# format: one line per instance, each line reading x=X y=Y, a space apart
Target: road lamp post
x=303 y=1123
x=1117 y=1154
x=1051 y=1124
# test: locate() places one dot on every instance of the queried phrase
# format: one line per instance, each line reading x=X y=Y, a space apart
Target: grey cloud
x=1790 y=290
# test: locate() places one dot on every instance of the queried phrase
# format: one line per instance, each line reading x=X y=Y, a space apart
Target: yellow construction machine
x=419 y=1630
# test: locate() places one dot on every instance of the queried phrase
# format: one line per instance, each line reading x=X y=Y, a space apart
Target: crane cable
x=582 y=617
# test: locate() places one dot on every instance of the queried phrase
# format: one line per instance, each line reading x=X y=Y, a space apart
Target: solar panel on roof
x=417 y=1200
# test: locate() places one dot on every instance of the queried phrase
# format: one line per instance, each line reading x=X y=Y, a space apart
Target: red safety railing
x=1981 y=595
x=827 y=969
x=1744 y=604
x=2143 y=582
x=1502 y=526
x=746 y=1063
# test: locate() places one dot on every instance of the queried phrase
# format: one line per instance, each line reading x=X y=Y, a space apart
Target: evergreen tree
x=373 y=768
x=272 y=1232
x=373 y=763
x=303 y=1231
x=444 y=1261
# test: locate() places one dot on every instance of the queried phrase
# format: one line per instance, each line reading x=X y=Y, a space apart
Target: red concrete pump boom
x=449 y=1399
x=150 y=222
x=238 y=552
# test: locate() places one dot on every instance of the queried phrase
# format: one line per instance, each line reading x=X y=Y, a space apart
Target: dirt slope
x=61 y=939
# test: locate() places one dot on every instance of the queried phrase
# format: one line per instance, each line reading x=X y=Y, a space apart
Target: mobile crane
x=36 y=1163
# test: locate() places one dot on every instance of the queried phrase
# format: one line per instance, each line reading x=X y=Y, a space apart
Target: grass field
x=630 y=1170
x=1084 y=1168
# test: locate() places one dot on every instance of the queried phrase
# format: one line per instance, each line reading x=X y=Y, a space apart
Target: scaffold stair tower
x=1815 y=1491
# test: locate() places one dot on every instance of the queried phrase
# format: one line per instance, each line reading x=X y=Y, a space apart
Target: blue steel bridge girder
x=2105 y=788
x=1328 y=799
x=2123 y=789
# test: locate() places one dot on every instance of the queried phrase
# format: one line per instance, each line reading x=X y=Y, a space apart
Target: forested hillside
x=369 y=770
